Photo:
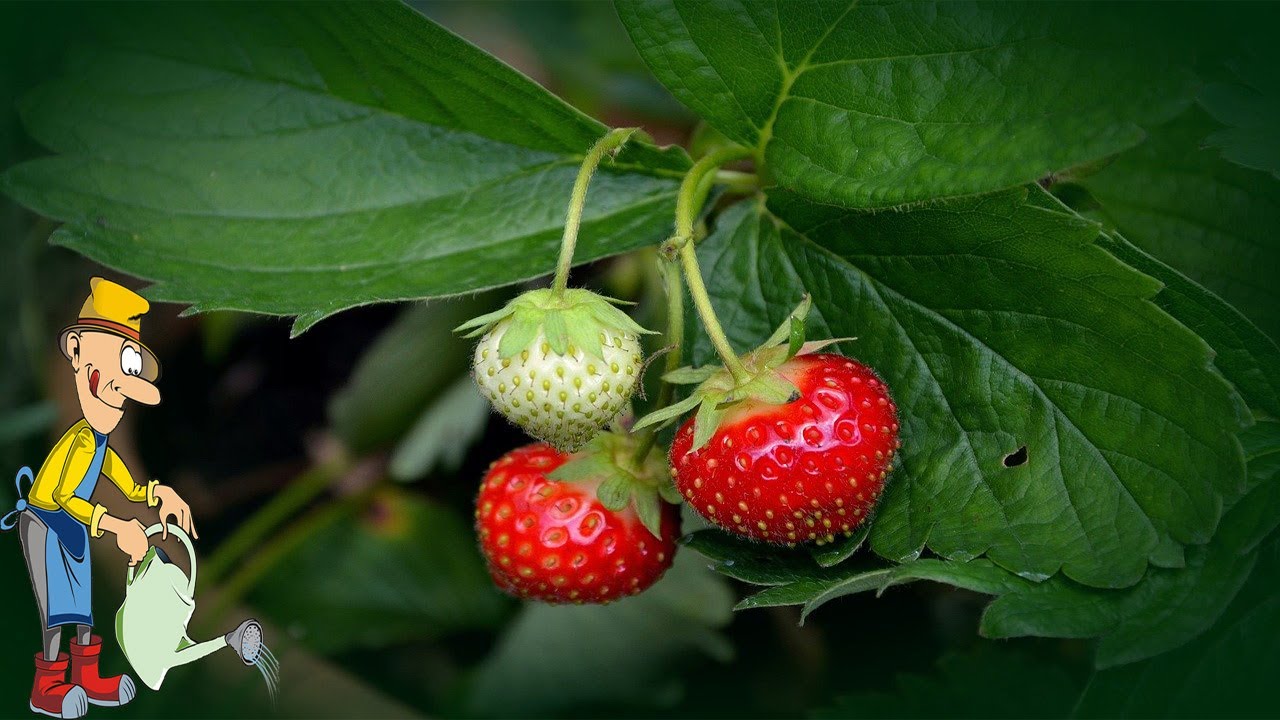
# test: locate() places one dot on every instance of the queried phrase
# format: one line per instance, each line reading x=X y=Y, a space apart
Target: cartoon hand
x=131 y=538
x=171 y=505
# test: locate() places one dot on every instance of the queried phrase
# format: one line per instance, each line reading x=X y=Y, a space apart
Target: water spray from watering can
x=151 y=625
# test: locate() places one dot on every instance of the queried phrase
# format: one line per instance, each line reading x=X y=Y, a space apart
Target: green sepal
x=797 y=337
x=664 y=415
x=609 y=459
x=768 y=386
x=480 y=325
x=786 y=330
x=816 y=345
x=667 y=490
x=688 y=375
x=706 y=422
x=611 y=316
x=583 y=336
x=586 y=466
x=572 y=318
x=556 y=332
x=615 y=491
x=649 y=509
x=521 y=331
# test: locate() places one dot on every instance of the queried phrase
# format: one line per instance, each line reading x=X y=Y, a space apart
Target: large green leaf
x=1248 y=104
x=1171 y=605
x=999 y=324
x=397 y=569
x=302 y=158
x=1212 y=220
x=873 y=104
x=575 y=659
x=1228 y=672
x=1249 y=359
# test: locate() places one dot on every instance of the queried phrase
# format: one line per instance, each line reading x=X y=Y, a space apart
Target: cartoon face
x=108 y=371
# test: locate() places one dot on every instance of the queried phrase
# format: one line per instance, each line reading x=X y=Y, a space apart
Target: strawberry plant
x=960 y=295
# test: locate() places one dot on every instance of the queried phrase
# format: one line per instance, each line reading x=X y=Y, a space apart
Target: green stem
x=611 y=142
x=674 y=337
x=250 y=535
x=693 y=193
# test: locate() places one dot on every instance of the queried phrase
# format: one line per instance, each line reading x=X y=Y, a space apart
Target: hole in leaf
x=1016 y=458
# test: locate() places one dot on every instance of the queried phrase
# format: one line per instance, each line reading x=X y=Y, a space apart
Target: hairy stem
x=693 y=193
x=610 y=143
x=674 y=337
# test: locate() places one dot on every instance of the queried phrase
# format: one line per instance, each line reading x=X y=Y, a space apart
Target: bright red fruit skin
x=554 y=541
x=805 y=471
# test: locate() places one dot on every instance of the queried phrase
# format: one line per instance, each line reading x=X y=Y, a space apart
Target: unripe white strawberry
x=561 y=366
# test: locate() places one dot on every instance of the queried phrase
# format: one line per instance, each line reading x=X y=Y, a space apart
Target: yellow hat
x=114 y=308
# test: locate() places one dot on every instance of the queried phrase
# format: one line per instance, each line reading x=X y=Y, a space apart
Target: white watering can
x=151 y=625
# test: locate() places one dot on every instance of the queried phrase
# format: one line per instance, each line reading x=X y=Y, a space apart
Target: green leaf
x=300 y=159
x=1228 y=672
x=883 y=104
x=1211 y=220
x=754 y=562
x=837 y=552
x=1257 y=515
x=1249 y=106
x=443 y=434
x=554 y=660
x=979 y=575
x=990 y=681
x=406 y=357
x=1246 y=357
x=410 y=567
x=1049 y=342
x=1171 y=605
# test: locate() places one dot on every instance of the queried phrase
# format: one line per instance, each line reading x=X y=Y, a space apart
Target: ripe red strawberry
x=805 y=470
x=554 y=541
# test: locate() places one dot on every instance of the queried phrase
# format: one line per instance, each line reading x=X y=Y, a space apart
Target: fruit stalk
x=675 y=338
x=610 y=143
x=693 y=193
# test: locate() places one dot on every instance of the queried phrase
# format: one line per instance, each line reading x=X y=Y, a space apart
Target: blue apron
x=69 y=587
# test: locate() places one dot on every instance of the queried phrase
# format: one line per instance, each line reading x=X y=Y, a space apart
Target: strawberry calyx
x=568 y=319
x=719 y=391
x=610 y=460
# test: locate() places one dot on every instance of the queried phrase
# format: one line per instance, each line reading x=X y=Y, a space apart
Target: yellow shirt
x=65 y=467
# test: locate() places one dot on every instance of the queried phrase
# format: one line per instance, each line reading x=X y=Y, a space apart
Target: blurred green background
x=339 y=513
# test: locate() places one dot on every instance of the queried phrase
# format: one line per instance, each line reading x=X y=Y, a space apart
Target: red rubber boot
x=52 y=695
x=108 y=691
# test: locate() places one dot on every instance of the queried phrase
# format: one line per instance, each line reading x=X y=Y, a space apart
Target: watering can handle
x=186 y=543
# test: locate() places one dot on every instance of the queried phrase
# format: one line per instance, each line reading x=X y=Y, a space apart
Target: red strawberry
x=804 y=470
x=554 y=541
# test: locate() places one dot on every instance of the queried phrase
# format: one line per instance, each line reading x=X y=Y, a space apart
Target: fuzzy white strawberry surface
x=561 y=399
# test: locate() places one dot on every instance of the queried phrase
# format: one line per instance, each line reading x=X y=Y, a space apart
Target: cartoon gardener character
x=57 y=518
